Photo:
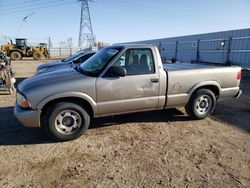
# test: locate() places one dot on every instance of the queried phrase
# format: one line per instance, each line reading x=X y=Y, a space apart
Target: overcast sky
x=122 y=20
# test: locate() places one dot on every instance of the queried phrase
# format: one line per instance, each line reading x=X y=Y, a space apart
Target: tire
x=201 y=104
x=29 y=53
x=15 y=55
x=37 y=56
x=66 y=121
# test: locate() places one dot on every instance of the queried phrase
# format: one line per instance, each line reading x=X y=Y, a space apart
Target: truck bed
x=186 y=66
x=184 y=78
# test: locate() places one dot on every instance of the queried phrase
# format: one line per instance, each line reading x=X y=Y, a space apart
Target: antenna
x=86 y=36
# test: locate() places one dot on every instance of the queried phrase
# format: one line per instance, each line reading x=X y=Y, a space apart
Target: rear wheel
x=201 y=104
x=37 y=56
x=15 y=55
x=66 y=121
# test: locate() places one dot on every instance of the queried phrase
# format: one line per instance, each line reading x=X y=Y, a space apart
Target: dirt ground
x=152 y=149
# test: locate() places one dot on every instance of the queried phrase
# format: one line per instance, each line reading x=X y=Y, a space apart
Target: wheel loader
x=20 y=49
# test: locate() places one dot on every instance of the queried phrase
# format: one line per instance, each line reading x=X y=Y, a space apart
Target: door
x=138 y=90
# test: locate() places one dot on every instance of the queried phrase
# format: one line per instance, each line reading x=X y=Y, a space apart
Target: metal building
x=226 y=47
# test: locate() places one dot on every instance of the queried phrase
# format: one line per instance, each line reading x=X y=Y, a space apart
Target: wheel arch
x=79 y=101
x=212 y=86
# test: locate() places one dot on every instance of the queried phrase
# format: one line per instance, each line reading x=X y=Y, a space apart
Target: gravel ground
x=150 y=149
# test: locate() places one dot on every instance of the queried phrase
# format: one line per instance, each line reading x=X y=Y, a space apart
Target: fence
x=228 y=47
x=63 y=51
x=4 y=39
x=56 y=50
x=70 y=51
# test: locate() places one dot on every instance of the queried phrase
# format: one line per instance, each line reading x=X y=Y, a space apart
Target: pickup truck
x=120 y=79
x=78 y=57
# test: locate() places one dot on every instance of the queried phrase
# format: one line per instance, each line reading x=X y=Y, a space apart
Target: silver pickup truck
x=120 y=79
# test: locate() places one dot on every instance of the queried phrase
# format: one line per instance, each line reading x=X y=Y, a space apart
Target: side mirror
x=74 y=61
x=118 y=71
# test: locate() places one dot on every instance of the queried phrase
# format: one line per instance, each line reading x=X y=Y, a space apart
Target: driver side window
x=137 y=61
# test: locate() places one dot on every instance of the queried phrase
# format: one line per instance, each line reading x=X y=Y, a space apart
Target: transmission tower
x=86 y=36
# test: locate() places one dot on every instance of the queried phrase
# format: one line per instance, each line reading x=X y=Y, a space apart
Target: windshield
x=71 y=58
x=94 y=65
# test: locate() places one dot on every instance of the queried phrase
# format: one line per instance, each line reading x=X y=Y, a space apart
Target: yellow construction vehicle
x=20 y=49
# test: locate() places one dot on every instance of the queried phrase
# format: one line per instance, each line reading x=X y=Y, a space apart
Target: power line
x=24 y=2
x=165 y=12
x=38 y=7
x=31 y=4
x=143 y=12
x=141 y=9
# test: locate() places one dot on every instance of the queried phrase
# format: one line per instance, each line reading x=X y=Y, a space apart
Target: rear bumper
x=29 y=118
x=238 y=94
x=232 y=92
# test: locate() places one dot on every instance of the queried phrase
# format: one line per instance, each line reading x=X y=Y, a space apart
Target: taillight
x=239 y=75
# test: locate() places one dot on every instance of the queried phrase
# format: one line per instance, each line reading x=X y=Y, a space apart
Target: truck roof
x=127 y=45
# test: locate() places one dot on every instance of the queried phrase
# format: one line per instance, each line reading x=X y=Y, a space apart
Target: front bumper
x=29 y=118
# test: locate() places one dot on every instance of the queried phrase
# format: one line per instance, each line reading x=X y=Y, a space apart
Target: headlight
x=22 y=101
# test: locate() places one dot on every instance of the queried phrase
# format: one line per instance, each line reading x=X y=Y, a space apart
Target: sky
x=116 y=21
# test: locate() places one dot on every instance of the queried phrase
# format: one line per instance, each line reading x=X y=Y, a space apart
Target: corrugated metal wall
x=232 y=47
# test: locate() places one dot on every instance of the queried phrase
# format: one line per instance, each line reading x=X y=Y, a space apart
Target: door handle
x=154 y=80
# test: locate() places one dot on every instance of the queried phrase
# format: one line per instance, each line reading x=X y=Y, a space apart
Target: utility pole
x=86 y=36
x=23 y=21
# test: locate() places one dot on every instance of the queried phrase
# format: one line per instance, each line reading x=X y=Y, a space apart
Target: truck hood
x=51 y=85
x=61 y=75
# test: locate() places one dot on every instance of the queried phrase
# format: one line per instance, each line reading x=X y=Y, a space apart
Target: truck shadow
x=234 y=112
x=167 y=115
x=13 y=133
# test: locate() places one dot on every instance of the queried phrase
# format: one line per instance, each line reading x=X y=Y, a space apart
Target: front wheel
x=201 y=104
x=15 y=55
x=66 y=121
